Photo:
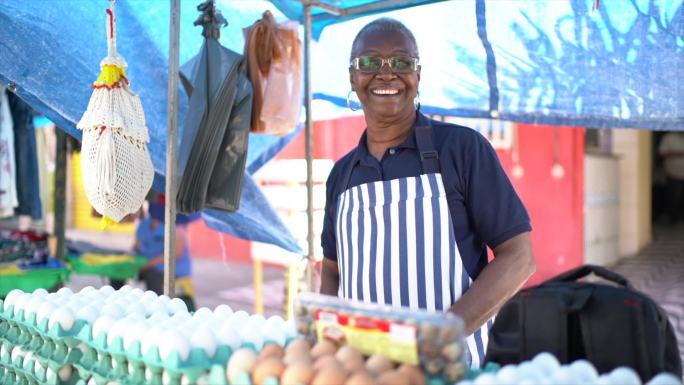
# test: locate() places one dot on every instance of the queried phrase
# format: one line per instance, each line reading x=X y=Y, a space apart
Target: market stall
x=129 y=336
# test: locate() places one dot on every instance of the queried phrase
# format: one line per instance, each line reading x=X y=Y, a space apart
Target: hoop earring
x=350 y=104
x=416 y=101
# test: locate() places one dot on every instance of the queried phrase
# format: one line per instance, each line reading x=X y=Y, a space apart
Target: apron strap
x=429 y=157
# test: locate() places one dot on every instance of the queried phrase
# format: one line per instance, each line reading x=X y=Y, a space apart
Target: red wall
x=554 y=205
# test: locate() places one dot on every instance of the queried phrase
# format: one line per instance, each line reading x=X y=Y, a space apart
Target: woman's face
x=386 y=94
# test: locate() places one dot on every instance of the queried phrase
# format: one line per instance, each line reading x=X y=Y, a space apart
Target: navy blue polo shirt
x=485 y=209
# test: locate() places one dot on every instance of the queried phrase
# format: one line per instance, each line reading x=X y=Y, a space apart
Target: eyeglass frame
x=354 y=63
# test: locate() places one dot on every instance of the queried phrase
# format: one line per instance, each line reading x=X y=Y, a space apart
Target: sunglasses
x=398 y=64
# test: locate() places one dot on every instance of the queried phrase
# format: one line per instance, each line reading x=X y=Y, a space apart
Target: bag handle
x=585 y=270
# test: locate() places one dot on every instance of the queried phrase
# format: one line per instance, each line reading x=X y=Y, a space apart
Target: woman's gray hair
x=383 y=24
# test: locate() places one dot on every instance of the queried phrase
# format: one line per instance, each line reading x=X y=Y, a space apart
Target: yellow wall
x=633 y=147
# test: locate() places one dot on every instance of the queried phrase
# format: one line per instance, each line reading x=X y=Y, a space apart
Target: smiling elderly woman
x=411 y=210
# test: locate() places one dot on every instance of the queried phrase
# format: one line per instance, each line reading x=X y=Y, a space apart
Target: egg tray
x=27 y=372
x=32 y=326
x=440 y=336
x=54 y=353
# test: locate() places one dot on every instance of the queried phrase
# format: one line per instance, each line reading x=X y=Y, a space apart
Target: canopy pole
x=309 y=146
x=59 y=225
x=171 y=139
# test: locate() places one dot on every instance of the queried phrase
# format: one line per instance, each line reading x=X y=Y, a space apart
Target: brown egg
x=455 y=372
x=243 y=360
x=413 y=373
x=271 y=350
x=393 y=377
x=292 y=357
x=377 y=364
x=360 y=377
x=325 y=362
x=323 y=348
x=297 y=345
x=330 y=375
x=270 y=367
x=297 y=374
x=452 y=352
x=347 y=352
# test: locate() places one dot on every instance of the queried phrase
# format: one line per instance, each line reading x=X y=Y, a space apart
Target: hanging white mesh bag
x=116 y=165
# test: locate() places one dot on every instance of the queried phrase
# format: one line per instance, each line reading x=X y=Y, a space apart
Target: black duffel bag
x=610 y=324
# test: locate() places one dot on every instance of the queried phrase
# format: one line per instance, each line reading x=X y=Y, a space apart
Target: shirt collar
x=410 y=141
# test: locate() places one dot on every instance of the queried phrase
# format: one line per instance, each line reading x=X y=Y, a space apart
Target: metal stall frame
x=170 y=210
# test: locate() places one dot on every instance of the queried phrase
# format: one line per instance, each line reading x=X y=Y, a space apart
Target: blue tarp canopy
x=549 y=61
x=52 y=52
x=557 y=62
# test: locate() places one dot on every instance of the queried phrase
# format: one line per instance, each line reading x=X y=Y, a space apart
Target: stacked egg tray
x=31 y=352
x=439 y=337
x=106 y=345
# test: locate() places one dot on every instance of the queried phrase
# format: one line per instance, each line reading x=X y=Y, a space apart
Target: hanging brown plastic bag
x=274 y=63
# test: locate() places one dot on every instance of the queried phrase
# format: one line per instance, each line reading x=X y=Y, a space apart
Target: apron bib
x=400 y=231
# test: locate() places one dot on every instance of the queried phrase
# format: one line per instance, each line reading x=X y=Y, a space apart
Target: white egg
x=62 y=316
x=136 y=333
x=137 y=317
x=273 y=332
x=88 y=314
x=20 y=304
x=45 y=311
x=113 y=310
x=39 y=293
x=11 y=298
x=485 y=379
x=202 y=314
x=125 y=289
x=86 y=290
x=181 y=317
x=257 y=319
x=177 y=305
x=562 y=375
x=584 y=370
x=508 y=374
x=223 y=311
x=204 y=339
x=156 y=307
x=107 y=290
x=229 y=337
x=527 y=370
x=251 y=334
x=65 y=292
x=136 y=308
x=241 y=316
x=116 y=296
x=290 y=328
x=32 y=306
x=172 y=341
x=136 y=293
x=102 y=325
x=158 y=317
x=149 y=295
x=150 y=340
x=624 y=375
x=546 y=363
x=119 y=329
x=605 y=380
x=665 y=379
x=65 y=372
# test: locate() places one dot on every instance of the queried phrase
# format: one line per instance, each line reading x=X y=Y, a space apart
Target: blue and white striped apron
x=396 y=243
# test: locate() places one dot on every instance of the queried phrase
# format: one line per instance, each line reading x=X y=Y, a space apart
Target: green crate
x=122 y=267
x=31 y=279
